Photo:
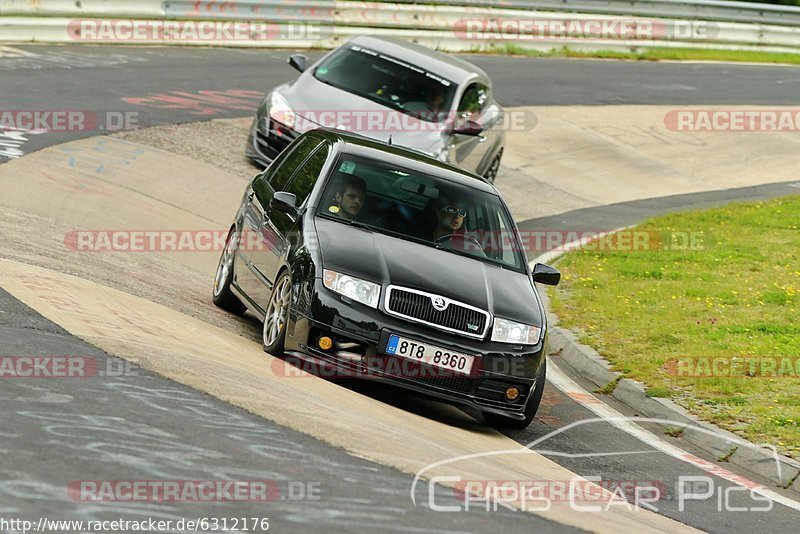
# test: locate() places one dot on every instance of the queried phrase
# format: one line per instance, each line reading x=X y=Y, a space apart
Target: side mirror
x=544 y=274
x=283 y=202
x=298 y=62
x=468 y=128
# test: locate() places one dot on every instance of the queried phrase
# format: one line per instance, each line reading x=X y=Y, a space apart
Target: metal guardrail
x=93 y=8
x=716 y=10
x=434 y=24
x=272 y=10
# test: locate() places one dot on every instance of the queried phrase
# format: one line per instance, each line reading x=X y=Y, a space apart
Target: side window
x=505 y=237
x=308 y=174
x=283 y=167
x=474 y=99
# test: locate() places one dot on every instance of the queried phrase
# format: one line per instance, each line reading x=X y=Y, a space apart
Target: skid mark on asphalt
x=18 y=59
x=203 y=103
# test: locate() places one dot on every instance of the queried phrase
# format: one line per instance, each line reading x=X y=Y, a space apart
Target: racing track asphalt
x=67 y=77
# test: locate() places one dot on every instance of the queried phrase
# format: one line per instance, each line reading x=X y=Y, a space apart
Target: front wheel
x=222 y=295
x=274 y=333
x=499 y=421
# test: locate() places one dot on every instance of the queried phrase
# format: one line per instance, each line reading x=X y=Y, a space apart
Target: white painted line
x=564 y=383
x=8 y=51
x=551 y=255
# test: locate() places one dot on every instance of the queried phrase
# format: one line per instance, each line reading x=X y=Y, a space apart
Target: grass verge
x=652 y=54
x=706 y=313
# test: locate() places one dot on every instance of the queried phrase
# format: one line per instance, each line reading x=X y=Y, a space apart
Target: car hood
x=389 y=260
x=310 y=98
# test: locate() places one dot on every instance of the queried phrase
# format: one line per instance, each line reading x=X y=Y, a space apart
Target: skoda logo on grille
x=439 y=303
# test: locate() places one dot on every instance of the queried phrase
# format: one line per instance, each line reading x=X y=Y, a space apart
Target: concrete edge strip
x=590 y=365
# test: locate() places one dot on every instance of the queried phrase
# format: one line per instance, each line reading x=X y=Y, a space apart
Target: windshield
x=420 y=207
x=388 y=81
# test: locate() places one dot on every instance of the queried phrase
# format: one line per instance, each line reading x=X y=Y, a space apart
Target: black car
x=369 y=258
x=382 y=88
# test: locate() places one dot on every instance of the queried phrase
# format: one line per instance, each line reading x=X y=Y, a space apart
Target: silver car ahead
x=392 y=91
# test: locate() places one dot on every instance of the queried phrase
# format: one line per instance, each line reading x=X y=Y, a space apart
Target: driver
x=434 y=97
x=350 y=196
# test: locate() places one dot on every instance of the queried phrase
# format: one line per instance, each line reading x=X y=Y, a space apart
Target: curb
x=721 y=444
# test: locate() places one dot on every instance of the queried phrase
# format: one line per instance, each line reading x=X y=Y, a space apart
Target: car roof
x=359 y=145
x=454 y=69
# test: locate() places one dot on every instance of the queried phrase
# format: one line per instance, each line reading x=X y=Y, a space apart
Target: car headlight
x=362 y=291
x=506 y=331
x=281 y=111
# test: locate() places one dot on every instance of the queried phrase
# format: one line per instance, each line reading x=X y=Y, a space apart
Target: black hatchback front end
x=382 y=263
x=361 y=335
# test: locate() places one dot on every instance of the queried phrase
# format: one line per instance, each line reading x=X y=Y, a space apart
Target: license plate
x=430 y=354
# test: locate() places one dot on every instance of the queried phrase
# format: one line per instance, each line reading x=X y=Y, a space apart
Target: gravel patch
x=219 y=142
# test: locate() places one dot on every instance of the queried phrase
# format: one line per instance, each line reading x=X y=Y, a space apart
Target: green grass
x=735 y=294
x=651 y=54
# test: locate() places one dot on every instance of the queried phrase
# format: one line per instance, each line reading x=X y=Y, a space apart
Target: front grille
x=418 y=306
x=432 y=376
x=274 y=142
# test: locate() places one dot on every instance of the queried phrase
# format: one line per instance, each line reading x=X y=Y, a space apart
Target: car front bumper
x=267 y=139
x=497 y=366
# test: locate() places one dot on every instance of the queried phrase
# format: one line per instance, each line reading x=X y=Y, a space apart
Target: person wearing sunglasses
x=450 y=217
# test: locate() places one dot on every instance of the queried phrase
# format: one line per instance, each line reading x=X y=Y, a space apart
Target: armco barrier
x=446 y=18
x=84 y=8
x=679 y=9
x=272 y=10
x=440 y=24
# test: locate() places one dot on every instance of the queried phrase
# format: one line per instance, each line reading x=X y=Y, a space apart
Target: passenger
x=349 y=198
x=449 y=218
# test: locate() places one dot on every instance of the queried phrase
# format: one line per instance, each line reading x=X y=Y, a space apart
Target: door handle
x=482 y=138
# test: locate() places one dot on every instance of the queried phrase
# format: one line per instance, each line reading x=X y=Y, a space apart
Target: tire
x=494 y=167
x=499 y=421
x=273 y=333
x=221 y=294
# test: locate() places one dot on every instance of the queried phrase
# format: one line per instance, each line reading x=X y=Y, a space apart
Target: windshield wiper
x=350 y=222
x=439 y=246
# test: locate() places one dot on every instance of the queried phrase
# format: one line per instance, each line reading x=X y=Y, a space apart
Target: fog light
x=512 y=393
x=325 y=343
